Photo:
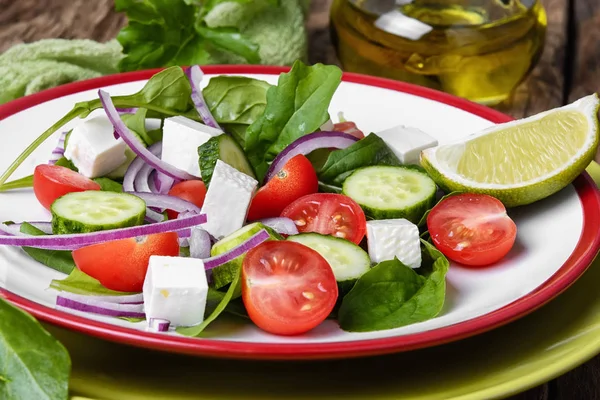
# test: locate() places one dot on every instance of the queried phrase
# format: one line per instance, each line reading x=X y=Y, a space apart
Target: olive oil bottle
x=476 y=49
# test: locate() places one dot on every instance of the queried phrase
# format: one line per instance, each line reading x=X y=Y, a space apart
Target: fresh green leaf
x=80 y=283
x=60 y=260
x=369 y=151
x=108 y=185
x=137 y=123
x=423 y=222
x=21 y=183
x=34 y=365
x=238 y=131
x=221 y=306
x=230 y=39
x=391 y=295
x=63 y=162
x=295 y=107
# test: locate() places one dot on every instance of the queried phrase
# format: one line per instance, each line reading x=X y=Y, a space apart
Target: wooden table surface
x=568 y=70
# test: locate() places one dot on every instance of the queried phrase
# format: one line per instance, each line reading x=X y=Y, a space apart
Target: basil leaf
x=369 y=151
x=391 y=295
x=34 y=364
x=108 y=185
x=295 y=107
x=20 y=183
x=80 y=283
x=60 y=260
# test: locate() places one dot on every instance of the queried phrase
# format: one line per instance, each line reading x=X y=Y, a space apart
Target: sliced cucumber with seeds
x=386 y=192
x=224 y=148
x=347 y=260
x=95 y=210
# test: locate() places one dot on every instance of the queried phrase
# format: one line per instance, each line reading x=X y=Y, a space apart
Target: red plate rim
x=583 y=255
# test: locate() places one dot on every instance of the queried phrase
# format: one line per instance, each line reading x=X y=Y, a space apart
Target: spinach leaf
x=34 y=364
x=108 y=185
x=20 y=183
x=60 y=260
x=137 y=123
x=80 y=283
x=296 y=106
x=220 y=307
x=369 y=151
x=391 y=295
x=63 y=162
x=167 y=93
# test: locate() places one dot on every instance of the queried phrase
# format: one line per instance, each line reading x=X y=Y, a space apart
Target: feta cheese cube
x=93 y=149
x=407 y=142
x=227 y=200
x=181 y=139
x=391 y=238
x=175 y=288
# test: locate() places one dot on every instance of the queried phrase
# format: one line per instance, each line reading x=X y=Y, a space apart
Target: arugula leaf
x=34 y=364
x=60 y=260
x=295 y=107
x=369 y=151
x=221 y=306
x=391 y=295
x=21 y=183
x=108 y=185
x=167 y=93
x=80 y=283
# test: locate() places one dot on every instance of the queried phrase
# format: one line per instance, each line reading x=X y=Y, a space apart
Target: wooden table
x=568 y=70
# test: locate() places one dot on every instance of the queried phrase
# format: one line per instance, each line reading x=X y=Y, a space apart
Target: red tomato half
x=297 y=178
x=122 y=264
x=53 y=181
x=328 y=214
x=192 y=191
x=287 y=288
x=349 y=128
x=472 y=229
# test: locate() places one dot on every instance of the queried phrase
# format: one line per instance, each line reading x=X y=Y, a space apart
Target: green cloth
x=30 y=68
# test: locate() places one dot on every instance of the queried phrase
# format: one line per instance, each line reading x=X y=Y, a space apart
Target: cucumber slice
x=224 y=274
x=224 y=148
x=347 y=260
x=387 y=192
x=94 y=210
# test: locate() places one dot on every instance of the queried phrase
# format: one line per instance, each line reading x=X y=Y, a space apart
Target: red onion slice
x=153 y=216
x=195 y=75
x=281 y=225
x=140 y=181
x=138 y=148
x=167 y=202
x=200 y=243
x=75 y=241
x=102 y=307
x=134 y=169
x=163 y=183
x=159 y=324
x=59 y=150
x=308 y=143
x=253 y=241
x=137 y=298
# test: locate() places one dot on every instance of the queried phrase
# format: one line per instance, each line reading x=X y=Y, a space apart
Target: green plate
x=508 y=360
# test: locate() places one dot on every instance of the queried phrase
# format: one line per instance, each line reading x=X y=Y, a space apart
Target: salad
x=175 y=205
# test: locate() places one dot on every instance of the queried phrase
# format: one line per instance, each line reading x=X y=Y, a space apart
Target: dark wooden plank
x=585 y=74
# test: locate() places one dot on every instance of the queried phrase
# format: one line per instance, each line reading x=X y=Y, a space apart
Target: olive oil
x=476 y=49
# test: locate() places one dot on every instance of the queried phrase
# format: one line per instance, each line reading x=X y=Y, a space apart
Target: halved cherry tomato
x=53 y=181
x=349 y=128
x=297 y=178
x=328 y=214
x=287 y=288
x=472 y=229
x=193 y=191
x=122 y=264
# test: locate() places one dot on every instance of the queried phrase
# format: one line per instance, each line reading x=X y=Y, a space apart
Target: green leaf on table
x=34 y=365
x=391 y=295
x=80 y=283
x=108 y=185
x=60 y=260
x=369 y=151
x=295 y=107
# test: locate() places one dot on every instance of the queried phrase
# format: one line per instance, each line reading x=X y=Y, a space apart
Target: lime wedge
x=522 y=161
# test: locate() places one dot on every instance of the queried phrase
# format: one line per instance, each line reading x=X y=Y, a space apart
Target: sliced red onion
x=308 y=143
x=159 y=324
x=135 y=145
x=59 y=150
x=282 y=225
x=195 y=75
x=137 y=298
x=77 y=240
x=141 y=179
x=167 y=202
x=152 y=182
x=134 y=169
x=103 y=307
x=200 y=243
x=253 y=241
x=153 y=216
x=131 y=110
x=163 y=183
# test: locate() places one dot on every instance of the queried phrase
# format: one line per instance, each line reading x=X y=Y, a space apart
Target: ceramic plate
x=557 y=237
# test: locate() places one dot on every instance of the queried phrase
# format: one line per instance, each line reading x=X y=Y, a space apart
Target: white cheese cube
x=407 y=142
x=93 y=149
x=391 y=238
x=181 y=139
x=175 y=289
x=227 y=200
